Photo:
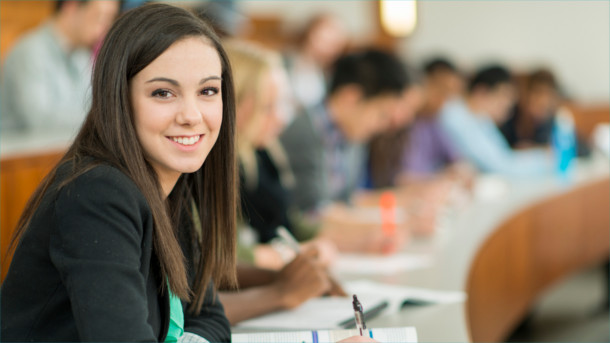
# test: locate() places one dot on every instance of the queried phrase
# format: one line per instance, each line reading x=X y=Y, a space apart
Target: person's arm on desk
x=297 y=282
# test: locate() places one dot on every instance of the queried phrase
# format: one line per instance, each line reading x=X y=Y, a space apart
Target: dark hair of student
x=438 y=64
x=541 y=77
x=374 y=71
x=108 y=135
x=60 y=3
x=123 y=4
x=489 y=77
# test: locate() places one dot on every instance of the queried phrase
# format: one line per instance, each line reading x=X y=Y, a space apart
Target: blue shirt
x=479 y=141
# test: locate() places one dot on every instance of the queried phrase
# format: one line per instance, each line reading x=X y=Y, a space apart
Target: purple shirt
x=429 y=149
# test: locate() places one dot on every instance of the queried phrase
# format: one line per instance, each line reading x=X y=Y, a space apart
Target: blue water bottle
x=564 y=143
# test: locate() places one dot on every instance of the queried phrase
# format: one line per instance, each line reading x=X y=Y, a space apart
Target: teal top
x=176 y=318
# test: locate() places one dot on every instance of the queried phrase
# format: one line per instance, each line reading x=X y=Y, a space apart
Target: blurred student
x=264 y=180
x=323 y=40
x=531 y=121
x=265 y=173
x=385 y=149
x=107 y=247
x=428 y=150
x=46 y=76
x=421 y=198
x=471 y=124
x=326 y=145
x=263 y=165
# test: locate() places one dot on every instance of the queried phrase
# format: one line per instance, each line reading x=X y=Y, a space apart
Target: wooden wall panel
x=587 y=116
x=19 y=177
x=17 y=17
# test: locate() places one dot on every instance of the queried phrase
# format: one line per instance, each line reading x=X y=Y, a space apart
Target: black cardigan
x=265 y=206
x=85 y=270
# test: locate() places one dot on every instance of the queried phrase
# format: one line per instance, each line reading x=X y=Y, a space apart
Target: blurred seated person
x=421 y=198
x=471 y=123
x=46 y=76
x=322 y=41
x=258 y=77
x=385 y=149
x=428 y=150
x=325 y=145
x=531 y=120
x=415 y=155
x=265 y=175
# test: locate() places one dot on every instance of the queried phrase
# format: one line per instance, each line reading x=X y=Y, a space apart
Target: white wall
x=355 y=14
x=571 y=37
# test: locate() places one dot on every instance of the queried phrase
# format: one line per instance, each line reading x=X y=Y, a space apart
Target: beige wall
x=355 y=14
x=572 y=37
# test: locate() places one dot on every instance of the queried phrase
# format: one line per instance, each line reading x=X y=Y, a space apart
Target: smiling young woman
x=106 y=249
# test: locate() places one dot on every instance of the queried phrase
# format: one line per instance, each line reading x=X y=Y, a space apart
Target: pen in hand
x=288 y=239
x=359 y=316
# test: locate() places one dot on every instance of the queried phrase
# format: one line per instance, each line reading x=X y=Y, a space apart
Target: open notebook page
x=332 y=312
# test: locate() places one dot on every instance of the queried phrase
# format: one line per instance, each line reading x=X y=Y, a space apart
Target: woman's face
x=177 y=108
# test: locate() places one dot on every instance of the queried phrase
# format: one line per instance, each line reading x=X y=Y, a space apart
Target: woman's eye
x=210 y=91
x=162 y=93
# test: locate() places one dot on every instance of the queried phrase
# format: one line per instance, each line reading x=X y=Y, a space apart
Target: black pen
x=360 y=325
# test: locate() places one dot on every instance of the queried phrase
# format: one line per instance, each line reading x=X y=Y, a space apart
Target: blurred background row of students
x=324 y=130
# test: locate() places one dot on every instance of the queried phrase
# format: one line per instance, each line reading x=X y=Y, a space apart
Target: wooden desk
x=533 y=249
x=25 y=159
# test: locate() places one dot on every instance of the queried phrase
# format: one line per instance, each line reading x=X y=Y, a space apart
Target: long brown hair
x=108 y=136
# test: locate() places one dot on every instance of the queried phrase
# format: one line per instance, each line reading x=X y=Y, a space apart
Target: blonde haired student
x=263 y=100
x=259 y=80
